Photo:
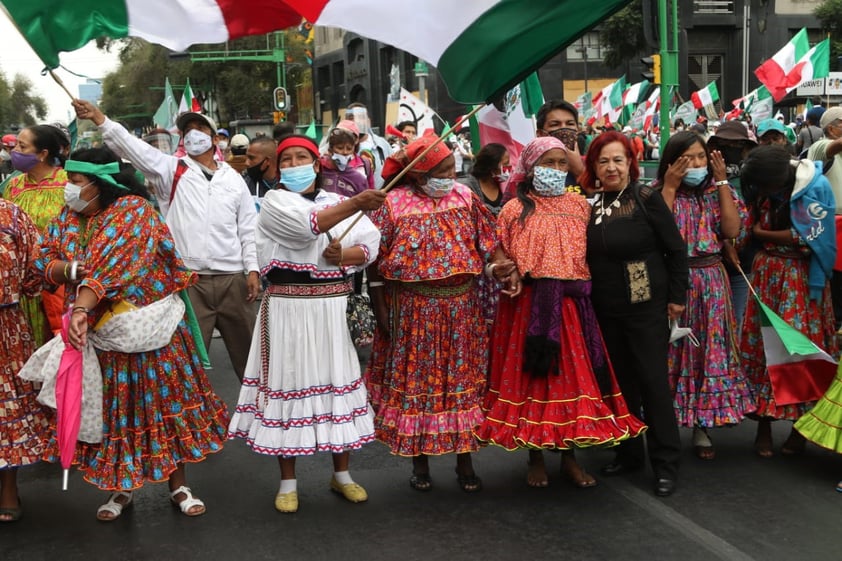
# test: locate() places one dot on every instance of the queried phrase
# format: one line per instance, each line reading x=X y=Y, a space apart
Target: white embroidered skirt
x=302 y=390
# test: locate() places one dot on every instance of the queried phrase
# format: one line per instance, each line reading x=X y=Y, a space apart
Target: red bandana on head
x=400 y=159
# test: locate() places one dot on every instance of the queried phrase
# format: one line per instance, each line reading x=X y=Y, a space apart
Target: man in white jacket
x=212 y=218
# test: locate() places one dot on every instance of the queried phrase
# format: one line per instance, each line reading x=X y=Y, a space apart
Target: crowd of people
x=560 y=303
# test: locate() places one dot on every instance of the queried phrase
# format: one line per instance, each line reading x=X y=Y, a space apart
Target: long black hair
x=109 y=193
x=677 y=145
x=768 y=172
x=51 y=139
x=523 y=190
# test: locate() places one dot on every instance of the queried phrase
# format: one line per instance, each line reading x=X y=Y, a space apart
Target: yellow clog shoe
x=351 y=491
x=286 y=502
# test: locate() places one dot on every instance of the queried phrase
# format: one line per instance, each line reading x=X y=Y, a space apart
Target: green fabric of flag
x=616 y=97
x=311 y=130
x=165 y=115
x=531 y=95
x=73 y=129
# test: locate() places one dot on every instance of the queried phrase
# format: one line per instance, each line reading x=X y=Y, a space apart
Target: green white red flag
x=481 y=48
x=511 y=122
x=636 y=93
x=188 y=101
x=608 y=103
x=705 y=96
x=794 y=64
x=799 y=370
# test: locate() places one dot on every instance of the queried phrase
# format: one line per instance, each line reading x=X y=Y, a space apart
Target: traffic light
x=653 y=68
x=280 y=96
x=278 y=116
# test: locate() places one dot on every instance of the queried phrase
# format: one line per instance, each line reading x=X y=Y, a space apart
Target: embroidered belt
x=340 y=288
x=706 y=261
x=786 y=254
x=437 y=291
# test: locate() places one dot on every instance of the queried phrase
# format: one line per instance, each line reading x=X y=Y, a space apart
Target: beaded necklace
x=600 y=211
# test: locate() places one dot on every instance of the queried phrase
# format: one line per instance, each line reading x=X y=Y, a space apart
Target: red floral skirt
x=557 y=411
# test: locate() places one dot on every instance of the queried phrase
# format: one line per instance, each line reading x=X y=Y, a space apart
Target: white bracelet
x=489 y=270
x=74 y=266
x=722 y=182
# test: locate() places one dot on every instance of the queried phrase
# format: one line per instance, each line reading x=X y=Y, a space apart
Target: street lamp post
x=584 y=51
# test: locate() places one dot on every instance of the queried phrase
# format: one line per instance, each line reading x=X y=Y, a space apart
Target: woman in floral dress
x=427 y=371
x=791 y=274
x=159 y=409
x=39 y=192
x=552 y=386
x=22 y=420
x=710 y=388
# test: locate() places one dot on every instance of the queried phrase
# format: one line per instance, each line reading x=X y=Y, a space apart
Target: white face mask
x=73 y=196
x=197 y=142
x=342 y=160
x=223 y=145
x=438 y=187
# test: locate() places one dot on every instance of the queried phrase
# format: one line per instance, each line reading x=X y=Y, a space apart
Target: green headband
x=102 y=171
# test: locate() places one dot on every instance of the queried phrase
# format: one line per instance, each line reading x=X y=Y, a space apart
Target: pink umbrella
x=68 y=399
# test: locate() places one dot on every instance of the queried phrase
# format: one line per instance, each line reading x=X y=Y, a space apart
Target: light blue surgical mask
x=438 y=187
x=298 y=178
x=549 y=182
x=695 y=176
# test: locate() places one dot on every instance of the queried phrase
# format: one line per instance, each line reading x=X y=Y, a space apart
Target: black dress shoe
x=619 y=468
x=664 y=487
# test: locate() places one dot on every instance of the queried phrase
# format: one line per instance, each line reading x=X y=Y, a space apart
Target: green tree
x=241 y=89
x=19 y=106
x=829 y=13
x=622 y=35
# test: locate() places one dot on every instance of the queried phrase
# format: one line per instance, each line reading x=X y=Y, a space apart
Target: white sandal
x=113 y=507
x=188 y=502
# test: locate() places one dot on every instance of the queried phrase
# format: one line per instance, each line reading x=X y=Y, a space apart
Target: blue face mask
x=549 y=182
x=695 y=176
x=298 y=178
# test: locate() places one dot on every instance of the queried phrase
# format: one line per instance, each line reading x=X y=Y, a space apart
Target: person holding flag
x=793 y=220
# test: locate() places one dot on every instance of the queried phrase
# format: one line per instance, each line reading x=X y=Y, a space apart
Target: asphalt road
x=736 y=508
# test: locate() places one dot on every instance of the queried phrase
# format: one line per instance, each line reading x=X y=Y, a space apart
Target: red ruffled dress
x=575 y=406
x=426 y=382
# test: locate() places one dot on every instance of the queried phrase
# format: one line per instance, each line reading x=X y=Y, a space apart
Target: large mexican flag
x=481 y=47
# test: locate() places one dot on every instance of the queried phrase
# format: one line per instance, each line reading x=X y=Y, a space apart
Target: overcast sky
x=17 y=57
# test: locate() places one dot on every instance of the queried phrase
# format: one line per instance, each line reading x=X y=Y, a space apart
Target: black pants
x=637 y=346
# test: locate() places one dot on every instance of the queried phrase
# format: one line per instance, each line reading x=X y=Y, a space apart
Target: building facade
x=720 y=41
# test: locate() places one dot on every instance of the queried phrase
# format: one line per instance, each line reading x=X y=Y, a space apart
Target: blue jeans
x=739 y=298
